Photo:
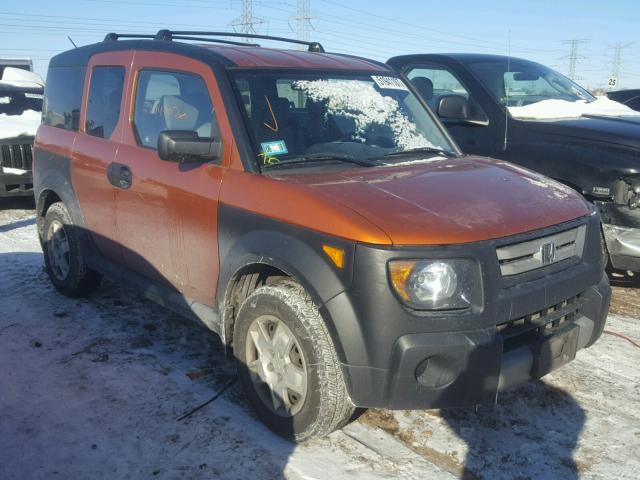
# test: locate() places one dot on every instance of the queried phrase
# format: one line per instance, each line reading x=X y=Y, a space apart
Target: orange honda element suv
x=310 y=209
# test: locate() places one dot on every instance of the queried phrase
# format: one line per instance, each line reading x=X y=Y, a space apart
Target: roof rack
x=169 y=35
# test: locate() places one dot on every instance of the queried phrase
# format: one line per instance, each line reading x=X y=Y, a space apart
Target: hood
x=449 y=201
x=623 y=131
x=17 y=125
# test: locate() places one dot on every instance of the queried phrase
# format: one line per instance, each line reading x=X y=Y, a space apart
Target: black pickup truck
x=528 y=114
x=631 y=98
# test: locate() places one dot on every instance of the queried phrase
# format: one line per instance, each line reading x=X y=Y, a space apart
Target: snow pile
x=554 y=109
x=361 y=102
x=16 y=125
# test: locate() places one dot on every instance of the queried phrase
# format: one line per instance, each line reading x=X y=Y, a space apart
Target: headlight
x=436 y=284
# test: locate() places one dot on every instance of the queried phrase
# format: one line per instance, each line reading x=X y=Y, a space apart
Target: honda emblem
x=548 y=253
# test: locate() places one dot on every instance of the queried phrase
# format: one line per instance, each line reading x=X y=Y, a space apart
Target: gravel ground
x=95 y=388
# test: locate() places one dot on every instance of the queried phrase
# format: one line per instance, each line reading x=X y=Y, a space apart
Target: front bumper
x=400 y=359
x=16 y=184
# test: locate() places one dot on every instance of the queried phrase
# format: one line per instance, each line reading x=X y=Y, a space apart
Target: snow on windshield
x=361 y=102
x=16 y=125
x=555 y=109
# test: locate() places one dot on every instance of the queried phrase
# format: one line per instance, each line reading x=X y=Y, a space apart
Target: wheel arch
x=258 y=256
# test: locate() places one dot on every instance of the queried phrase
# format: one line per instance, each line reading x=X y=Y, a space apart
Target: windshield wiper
x=320 y=157
x=413 y=151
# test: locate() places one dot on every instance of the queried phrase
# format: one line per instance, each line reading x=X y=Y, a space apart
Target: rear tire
x=284 y=314
x=65 y=254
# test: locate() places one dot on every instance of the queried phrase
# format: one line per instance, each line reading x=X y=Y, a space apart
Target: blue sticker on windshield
x=274 y=148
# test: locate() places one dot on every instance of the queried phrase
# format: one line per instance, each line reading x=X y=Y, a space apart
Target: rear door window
x=172 y=101
x=105 y=97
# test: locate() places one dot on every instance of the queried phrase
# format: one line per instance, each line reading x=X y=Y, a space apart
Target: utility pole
x=303 y=20
x=246 y=21
x=573 y=56
x=617 y=63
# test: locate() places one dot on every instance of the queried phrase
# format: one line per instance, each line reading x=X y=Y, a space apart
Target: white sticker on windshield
x=389 y=83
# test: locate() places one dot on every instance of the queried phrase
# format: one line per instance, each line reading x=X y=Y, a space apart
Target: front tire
x=288 y=364
x=65 y=254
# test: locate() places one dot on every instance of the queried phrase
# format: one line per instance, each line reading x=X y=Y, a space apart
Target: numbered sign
x=612 y=82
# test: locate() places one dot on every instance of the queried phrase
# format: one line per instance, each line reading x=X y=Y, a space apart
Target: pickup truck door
x=167 y=212
x=476 y=134
x=96 y=145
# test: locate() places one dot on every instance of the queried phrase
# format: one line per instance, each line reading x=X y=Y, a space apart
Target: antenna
x=72 y=42
x=506 y=92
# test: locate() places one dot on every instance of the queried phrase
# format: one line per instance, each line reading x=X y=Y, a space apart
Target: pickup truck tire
x=65 y=254
x=284 y=314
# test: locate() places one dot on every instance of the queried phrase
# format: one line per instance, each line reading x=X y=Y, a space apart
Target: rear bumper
x=468 y=368
x=16 y=185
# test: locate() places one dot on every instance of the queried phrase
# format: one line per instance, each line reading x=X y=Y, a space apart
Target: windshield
x=517 y=83
x=302 y=116
x=16 y=103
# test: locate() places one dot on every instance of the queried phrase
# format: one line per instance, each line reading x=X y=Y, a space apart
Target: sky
x=374 y=29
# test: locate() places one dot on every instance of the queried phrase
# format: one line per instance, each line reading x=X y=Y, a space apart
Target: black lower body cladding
x=399 y=358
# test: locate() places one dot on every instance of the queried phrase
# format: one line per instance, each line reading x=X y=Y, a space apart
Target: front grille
x=540 y=252
x=17 y=155
x=527 y=329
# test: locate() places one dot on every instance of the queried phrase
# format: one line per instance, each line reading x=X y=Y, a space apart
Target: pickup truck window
x=172 y=101
x=516 y=83
x=434 y=82
x=298 y=115
x=15 y=102
x=105 y=95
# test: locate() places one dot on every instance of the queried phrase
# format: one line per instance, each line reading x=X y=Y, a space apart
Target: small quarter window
x=105 y=96
x=62 y=97
x=172 y=101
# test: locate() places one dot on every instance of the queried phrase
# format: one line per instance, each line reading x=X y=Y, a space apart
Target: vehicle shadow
x=142 y=391
x=17 y=224
x=20 y=203
x=532 y=432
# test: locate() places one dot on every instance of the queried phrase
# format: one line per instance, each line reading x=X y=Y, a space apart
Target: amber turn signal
x=335 y=254
x=399 y=272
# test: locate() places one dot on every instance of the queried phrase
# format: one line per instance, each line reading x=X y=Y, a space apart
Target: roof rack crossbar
x=112 y=37
x=214 y=40
x=170 y=34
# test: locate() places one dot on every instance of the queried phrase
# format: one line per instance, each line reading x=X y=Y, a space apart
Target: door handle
x=119 y=175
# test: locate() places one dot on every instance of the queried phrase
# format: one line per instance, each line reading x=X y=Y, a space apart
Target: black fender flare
x=53 y=175
x=295 y=251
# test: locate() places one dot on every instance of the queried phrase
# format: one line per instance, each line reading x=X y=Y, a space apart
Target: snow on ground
x=93 y=388
x=555 y=109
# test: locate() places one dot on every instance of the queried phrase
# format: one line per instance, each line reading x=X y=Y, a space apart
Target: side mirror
x=186 y=145
x=455 y=109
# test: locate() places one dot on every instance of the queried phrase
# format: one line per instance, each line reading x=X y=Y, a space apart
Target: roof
x=460 y=57
x=224 y=56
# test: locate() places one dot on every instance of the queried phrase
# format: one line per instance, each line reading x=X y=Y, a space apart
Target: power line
x=617 y=61
x=573 y=56
x=246 y=21
x=303 y=20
